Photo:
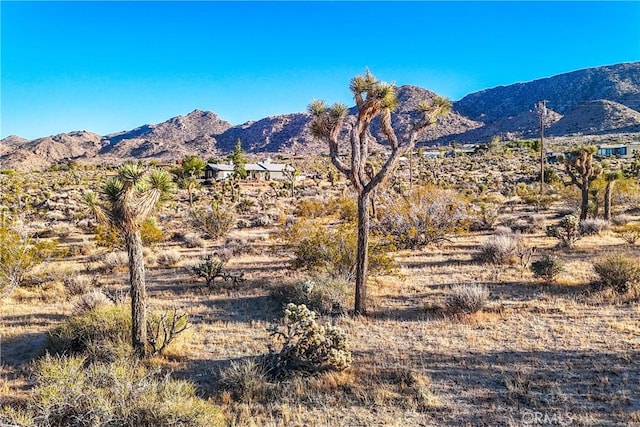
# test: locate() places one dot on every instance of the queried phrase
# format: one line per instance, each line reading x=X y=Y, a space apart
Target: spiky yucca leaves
x=130 y=196
x=374 y=99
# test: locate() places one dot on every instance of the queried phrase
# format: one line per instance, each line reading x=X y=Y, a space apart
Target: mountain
x=619 y=83
x=179 y=135
x=597 y=117
x=593 y=101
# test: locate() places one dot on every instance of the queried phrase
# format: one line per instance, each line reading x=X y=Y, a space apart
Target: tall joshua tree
x=130 y=197
x=582 y=171
x=374 y=99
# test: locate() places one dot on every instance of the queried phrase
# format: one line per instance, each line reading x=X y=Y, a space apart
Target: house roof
x=252 y=167
x=220 y=167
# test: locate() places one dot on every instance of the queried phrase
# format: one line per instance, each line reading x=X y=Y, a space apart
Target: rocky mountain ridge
x=594 y=101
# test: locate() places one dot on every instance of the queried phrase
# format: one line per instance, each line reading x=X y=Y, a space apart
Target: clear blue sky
x=112 y=66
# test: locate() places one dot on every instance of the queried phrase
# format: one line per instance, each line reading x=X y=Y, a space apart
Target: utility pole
x=542 y=111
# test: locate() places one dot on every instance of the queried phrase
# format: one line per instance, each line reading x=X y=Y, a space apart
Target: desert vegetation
x=486 y=303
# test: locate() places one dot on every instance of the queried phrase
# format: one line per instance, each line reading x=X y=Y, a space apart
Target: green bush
x=19 y=254
x=247 y=380
x=424 y=216
x=618 y=271
x=548 y=267
x=324 y=295
x=332 y=252
x=215 y=221
x=150 y=233
x=69 y=391
x=567 y=231
x=306 y=346
x=102 y=332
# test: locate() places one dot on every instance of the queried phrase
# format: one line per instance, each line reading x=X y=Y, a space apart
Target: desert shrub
x=192 y=240
x=150 y=233
x=101 y=332
x=79 y=284
x=90 y=301
x=164 y=327
x=567 y=231
x=620 y=220
x=209 y=268
x=333 y=251
x=548 y=267
x=466 y=299
x=324 y=295
x=19 y=254
x=69 y=391
x=301 y=344
x=618 y=271
x=426 y=215
x=499 y=249
x=247 y=380
x=312 y=208
x=486 y=216
x=115 y=260
x=234 y=247
x=108 y=236
x=346 y=207
x=261 y=221
x=214 y=221
x=630 y=233
x=245 y=205
x=593 y=226
x=169 y=258
x=243 y=223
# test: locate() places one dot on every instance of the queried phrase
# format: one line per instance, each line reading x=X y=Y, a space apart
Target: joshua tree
x=582 y=170
x=373 y=99
x=130 y=197
x=188 y=173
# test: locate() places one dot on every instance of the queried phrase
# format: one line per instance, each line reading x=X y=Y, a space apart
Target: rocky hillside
x=180 y=135
x=595 y=101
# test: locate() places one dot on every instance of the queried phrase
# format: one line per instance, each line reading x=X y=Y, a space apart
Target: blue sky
x=112 y=66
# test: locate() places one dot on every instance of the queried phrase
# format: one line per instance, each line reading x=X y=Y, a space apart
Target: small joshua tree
x=582 y=171
x=130 y=197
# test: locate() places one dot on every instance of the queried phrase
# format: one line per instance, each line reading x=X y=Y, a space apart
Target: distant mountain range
x=593 y=101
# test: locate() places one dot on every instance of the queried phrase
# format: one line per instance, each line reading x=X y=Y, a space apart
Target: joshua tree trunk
x=584 y=202
x=133 y=242
x=608 y=191
x=362 y=258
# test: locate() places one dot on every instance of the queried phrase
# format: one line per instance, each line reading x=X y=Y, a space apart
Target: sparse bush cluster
x=122 y=392
x=567 y=231
x=500 y=249
x=215 y=221
x=548 y=267
x=593 y=226
x=324 y=295
x=630 y=233
x=618 y=272
x=466 y=298
x=332 y=252
x=427 y=215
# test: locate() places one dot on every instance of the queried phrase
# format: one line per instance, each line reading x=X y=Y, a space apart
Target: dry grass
x=557 y=349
